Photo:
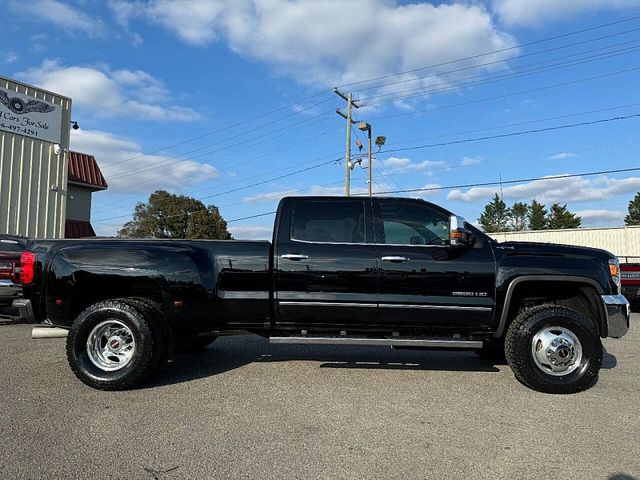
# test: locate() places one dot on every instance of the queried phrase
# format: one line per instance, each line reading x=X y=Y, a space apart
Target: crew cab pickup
x=340 y=270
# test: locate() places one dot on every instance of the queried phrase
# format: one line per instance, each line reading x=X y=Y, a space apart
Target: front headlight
x=614 y=269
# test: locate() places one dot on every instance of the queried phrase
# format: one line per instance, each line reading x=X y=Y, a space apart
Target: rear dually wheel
x=111 y=345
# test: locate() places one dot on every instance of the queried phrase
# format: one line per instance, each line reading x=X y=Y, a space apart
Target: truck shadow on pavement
x=229 y=353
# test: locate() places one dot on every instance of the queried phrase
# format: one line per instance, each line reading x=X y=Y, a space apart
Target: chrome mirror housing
x=459 y=236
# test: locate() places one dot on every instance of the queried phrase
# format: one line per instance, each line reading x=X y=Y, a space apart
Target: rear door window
x=328 y=222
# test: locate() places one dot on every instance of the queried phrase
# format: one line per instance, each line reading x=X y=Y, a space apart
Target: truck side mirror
x=458 y=235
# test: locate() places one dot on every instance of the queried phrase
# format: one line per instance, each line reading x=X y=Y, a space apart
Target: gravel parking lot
x=248 y=409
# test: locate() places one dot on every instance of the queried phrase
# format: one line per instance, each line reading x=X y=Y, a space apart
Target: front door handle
x=394 y=258
x=294 y=256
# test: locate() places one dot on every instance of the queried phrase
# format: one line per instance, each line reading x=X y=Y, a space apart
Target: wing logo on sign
x=17 y=105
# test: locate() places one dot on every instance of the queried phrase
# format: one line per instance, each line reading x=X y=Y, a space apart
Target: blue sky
x=215 y=99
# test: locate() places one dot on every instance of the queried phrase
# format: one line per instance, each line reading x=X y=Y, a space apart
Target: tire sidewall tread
x=518 y=349
x=140 y=365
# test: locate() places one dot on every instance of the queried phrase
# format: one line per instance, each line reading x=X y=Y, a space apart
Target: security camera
x=57 y=149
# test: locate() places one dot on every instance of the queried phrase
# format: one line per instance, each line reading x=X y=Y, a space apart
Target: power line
x=251 y=216
x=301 y=101
x=111 y=204
x=237 y=124
x=150 y=167
x=404 y=149
x=493 y=52
x=503 y=182
x=178 y=158
x=244 y=179
x=486 y=78
x=527 y=122
x=511 y=94
x=164 y=161
x=513 y=134
x=243 y=187
x=375 y=155
x=485 y=184
x=468 y=140
x=497 y=62
x=459 y=165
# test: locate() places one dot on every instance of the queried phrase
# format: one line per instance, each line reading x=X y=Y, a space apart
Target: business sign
x=30 y=117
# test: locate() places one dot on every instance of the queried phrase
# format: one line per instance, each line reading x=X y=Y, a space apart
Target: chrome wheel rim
x=556 y=351
x=111 y=345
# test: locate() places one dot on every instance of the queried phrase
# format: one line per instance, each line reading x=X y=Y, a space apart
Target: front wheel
x=110 y=346
x=553 y=349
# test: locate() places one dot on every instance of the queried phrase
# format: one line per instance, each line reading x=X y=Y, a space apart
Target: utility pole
x=347 y=168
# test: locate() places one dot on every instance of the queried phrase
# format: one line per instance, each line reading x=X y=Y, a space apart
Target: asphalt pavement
x=248 y=409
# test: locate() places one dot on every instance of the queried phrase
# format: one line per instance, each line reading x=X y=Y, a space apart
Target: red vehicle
x=630 y=277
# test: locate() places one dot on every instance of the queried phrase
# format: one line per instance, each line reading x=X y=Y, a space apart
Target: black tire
x=162 y=334
x=142 y=361
x=194 y=344
x=492 y=352
x=520 y=356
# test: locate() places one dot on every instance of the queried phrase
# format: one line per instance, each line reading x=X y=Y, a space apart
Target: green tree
x=518 y=216
x=537 y=216
x=634 y=211
x=560 y=217
x=494 y=217
x=175 y=216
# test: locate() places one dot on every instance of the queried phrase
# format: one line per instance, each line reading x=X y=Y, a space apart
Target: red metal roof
x=83 y=168
x=78 y=229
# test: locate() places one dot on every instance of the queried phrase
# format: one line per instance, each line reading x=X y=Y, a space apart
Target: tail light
x=27 y=267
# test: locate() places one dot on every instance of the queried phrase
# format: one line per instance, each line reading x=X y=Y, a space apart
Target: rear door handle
x=294 y=256
x=394 y=258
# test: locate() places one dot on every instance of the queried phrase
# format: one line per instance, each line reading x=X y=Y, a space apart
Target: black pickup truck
x=340 y=270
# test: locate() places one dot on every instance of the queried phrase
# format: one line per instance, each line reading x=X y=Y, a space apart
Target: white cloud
x=124 y=11
x=403 y=165
x=105 y=93
x=251 y=232
x=128 y=158
x=321 y=191
x=9 y=56
x=562 y=156
x=268 y=196
x=601 y=218
x=468 y=161
x=335 y=42
x=62 y=15
x=537 y=12
x=430 y=190
x=549 y=190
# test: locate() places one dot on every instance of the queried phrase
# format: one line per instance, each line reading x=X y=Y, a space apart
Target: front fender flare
x=540 y=278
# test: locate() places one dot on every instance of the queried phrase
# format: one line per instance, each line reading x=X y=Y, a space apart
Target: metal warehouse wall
x=28 y=169
x=621 y=241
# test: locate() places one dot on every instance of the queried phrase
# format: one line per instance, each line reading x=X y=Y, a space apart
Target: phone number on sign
x=19 y=129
